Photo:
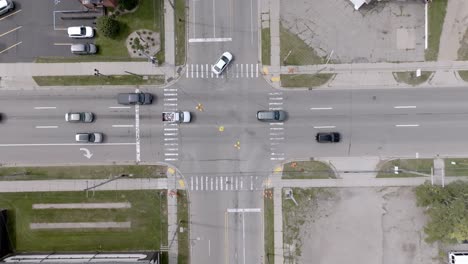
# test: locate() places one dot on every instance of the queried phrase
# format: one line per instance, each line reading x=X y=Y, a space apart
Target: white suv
x=80 y=32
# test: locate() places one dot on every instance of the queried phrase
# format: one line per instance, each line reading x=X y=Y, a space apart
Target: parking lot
x=38 y=29
x=382 y=31
x=357 y=225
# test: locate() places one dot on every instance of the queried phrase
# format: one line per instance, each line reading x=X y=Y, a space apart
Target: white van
x=458 y=257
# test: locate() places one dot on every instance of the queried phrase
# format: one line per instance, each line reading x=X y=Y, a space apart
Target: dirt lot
x=358 y=225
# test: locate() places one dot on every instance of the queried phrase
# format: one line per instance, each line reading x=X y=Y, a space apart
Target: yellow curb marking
x=182 y=184
x=275 y=79
x=265 y=70
x=221 y=128
x=170 y=170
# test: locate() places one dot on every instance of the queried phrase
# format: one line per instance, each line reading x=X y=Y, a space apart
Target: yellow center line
x=11 y=14
x=11 y=47
x=8 y=32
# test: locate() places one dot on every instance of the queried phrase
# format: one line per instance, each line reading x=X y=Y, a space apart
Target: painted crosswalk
x=171 y=130
x=225 y=183
x=203 y=71
x=277 y=131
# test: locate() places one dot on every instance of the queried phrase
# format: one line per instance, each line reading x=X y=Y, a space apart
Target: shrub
x=108 y=26
x=128 y=4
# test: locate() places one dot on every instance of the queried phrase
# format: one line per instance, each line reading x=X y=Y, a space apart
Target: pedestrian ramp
x=225 y=183
x=203 y=71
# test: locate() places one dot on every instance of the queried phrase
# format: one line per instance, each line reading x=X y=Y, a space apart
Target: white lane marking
x=122 y=125
x=407 y=125
x=119 y=107
x=243 y=233
x=9 y=31
x=404 y=106
x=214 y=20
x=46 y=126
x=44 y=107
x=10 y=14
x=171 y=129
x=324 y=126
x=321 y=108
x=62 y=144
x=12 y=46
x=170 y=159
x=276 y=98
x=195 y=40
x=137 y=131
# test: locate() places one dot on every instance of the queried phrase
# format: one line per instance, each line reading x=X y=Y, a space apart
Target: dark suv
x=135 y=98
x=328 y=137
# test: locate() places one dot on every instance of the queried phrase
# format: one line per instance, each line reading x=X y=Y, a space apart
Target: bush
x=108 y=26
x=128 y=4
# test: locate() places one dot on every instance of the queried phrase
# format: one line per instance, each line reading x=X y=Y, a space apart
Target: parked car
x=80 y=117
x=6 y=6
x=89 y=137
x=328 y=137
x=80 y=32
x=271 y=116
x=222 y=63
x=134 y=98
x=83 y=49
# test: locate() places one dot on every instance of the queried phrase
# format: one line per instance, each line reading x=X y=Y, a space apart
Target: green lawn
x=410 y=77
x=81 y=172
x=85 y=59
x=456 y=167
x=305 y=80
x=148 y=217
x=266 y=46
x=463 y=75
x=386 y=170
x=78 y=80
x=183 y=220
x=436 y=16
x=180 y=32
x=269 y=226
x=307 y=170
x=294 y=51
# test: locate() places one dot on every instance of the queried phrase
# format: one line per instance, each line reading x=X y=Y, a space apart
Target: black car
x=328 y=137
x=135 y=98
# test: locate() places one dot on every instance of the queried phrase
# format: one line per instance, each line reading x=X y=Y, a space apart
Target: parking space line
x=11 y=47
x=44 y=107
x=11 y=14
x=122 y=125
x=9 y=31
x=63 y=44
x=46 y=126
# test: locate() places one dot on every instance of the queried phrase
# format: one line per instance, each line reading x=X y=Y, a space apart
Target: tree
x=128 y=4
x=108 y=27
x=447 y=209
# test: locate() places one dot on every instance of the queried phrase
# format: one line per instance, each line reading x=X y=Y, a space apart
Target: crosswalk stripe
x=221 y=182
x=242 y=70
x=191 y=69
x=202 y=71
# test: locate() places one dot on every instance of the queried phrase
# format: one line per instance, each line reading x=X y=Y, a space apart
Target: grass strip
x=410 y=77
x=183 y=220
x=463 y=75
x=180 y=32
x=81 y=172
x=266 y=46
x=307 y=170
x=305 y=80
x=148 y=217
x=294 y=51
x=269 y=225
x=414 y=168
x=436 y=16
x=456 y=167
x=78 y=80
x=76 y=59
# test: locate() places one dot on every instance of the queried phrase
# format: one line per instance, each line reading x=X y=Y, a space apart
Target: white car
x=88 y=137
x=80 y=32
x=222 y=63
x=83 y=117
